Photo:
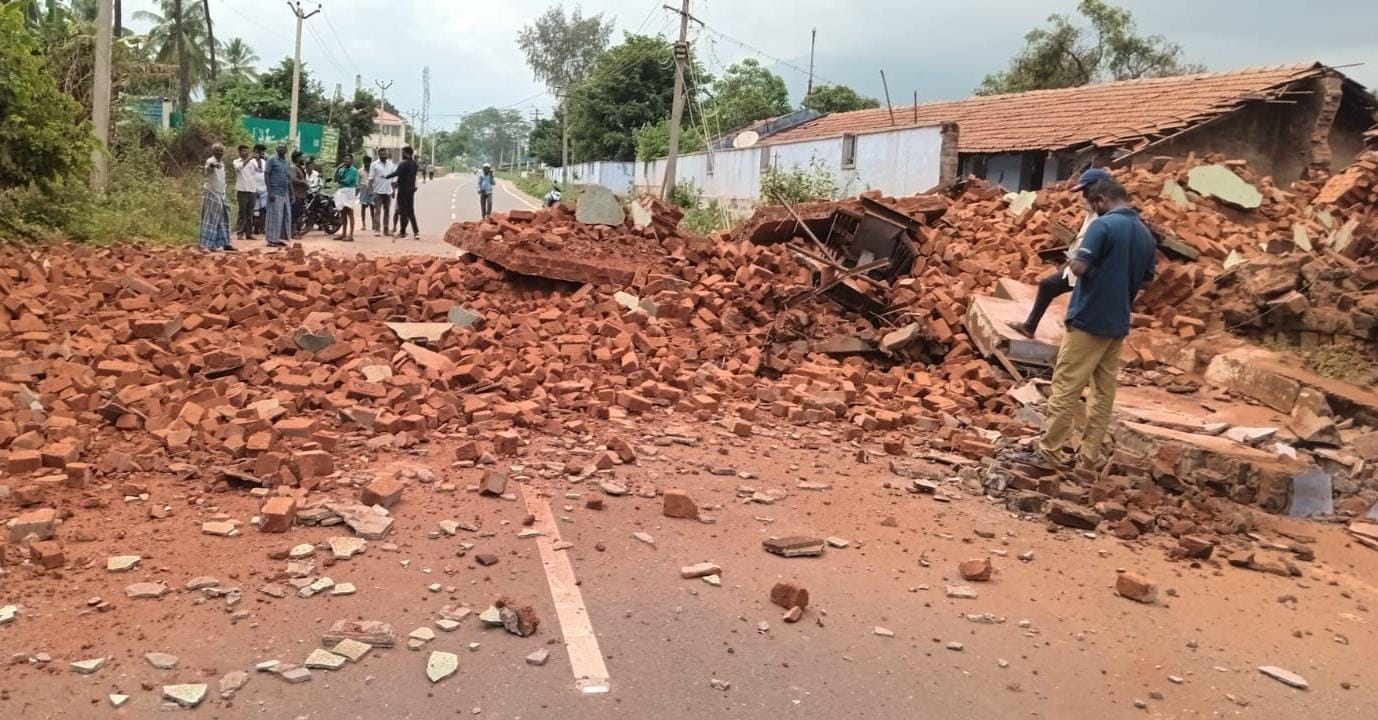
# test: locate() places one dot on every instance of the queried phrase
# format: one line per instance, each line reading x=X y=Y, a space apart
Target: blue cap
x=1090 y=177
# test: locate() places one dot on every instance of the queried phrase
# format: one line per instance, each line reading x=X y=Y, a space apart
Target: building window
x=848 y=152
x=765 y=159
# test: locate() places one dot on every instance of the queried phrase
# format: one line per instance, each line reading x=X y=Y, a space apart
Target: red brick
x=789 y=595
x=1136 y=587
x=383 y=491
x=278 y=514
x=47 y=554
x=506 y=442
x=678 y=504
x=977 y=570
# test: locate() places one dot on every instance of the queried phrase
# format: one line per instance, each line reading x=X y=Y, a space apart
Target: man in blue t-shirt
x=1114 y=261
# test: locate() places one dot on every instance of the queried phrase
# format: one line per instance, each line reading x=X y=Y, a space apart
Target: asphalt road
x=439 y=203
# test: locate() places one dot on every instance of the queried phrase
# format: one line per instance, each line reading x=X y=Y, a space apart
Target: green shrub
x=705 y=219
x=800 y=184
x=141 y=204
x=686 y=195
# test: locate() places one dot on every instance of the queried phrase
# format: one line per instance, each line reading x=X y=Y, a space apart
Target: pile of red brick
x=277 y=366
x=550 y=243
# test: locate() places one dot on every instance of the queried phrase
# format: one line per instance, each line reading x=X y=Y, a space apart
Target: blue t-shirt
x=1118 y=251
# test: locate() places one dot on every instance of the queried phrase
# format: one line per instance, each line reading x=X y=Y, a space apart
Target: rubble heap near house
x=273 y=371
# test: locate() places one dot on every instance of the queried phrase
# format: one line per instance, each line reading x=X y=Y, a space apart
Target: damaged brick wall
x=1274 y=137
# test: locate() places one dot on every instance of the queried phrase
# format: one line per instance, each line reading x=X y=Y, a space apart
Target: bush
x=141 y=204
x=799 y=184
x=44 y=135
x=705 y=219
x=685 y=195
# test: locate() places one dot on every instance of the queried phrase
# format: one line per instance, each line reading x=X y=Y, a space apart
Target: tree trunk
x=119 y=19
x=210 y=43
x=183 y=67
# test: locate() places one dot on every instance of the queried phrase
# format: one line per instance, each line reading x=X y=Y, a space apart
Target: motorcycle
x=320 y=212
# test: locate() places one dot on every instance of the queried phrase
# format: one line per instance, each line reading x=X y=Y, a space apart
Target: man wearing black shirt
x=406 y=192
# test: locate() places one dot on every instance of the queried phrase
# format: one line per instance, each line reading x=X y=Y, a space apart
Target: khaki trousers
x=1082 y=359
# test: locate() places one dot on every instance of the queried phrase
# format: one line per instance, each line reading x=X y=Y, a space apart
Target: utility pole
x=681 y=52
x=564 y=138
x=100 y=96
x=535 y=119
x=296 y=71
x=813 y=42
x=425 y=112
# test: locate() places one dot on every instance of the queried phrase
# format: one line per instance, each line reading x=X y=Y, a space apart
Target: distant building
x=389 y=131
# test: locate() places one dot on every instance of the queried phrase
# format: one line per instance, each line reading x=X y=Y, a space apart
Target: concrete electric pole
x=100 y=95
x=296 y=72
x=677 y=102
x=564 y=139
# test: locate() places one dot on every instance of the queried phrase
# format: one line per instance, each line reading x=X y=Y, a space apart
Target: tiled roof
x=1128 y=113
x=383 y=117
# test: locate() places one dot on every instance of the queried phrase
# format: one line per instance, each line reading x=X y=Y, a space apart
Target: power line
x=325 y=49
x=766 y=55
x=348 y=57
x=276 y=31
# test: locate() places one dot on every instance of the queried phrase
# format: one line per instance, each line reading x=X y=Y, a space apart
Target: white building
x=389 y=131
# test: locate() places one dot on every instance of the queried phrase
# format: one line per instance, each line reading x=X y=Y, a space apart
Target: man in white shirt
x=215 y=211
x=260 y=187
x=315 y=182
x=245 y=191
x=382 y=188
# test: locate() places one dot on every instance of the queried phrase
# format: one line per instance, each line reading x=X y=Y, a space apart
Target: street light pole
x=296 y=71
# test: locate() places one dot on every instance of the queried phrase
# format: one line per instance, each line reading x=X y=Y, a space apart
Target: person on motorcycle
x=552 y=198
x=300 y=189
x=347 y=188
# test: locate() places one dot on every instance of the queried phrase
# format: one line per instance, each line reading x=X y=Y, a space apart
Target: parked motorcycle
x=320 y=213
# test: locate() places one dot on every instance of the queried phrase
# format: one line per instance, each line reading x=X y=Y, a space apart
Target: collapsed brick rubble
x=272 y=375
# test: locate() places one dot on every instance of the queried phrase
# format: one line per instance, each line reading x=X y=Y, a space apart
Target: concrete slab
x=1260 y=374
x=986 y=322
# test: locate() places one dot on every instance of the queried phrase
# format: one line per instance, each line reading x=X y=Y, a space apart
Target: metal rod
x=887 y=96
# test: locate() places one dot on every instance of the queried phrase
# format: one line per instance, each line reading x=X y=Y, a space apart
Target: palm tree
x=210 y=40
x=179 y=37
x=239 y=61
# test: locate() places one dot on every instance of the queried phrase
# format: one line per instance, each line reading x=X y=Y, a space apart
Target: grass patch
x=141 y=205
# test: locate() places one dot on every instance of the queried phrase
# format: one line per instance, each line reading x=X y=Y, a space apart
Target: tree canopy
x=1065 y=54
x=746 y=92
x=837 y=98
x=492 y=133
x=560 y=49
x=43 y=133
x=630 y=86
x=545 y=141
x=179 y=37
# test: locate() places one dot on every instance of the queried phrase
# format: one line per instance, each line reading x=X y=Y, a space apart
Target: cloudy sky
x=939 y=49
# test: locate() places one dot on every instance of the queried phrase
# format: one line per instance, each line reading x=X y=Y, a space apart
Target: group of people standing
x=272 y=193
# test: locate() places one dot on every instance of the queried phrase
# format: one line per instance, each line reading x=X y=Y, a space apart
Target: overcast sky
x=939 y=49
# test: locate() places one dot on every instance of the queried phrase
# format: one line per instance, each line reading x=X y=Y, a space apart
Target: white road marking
x=452 y=216
x=585 y=658
x=519 y=198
